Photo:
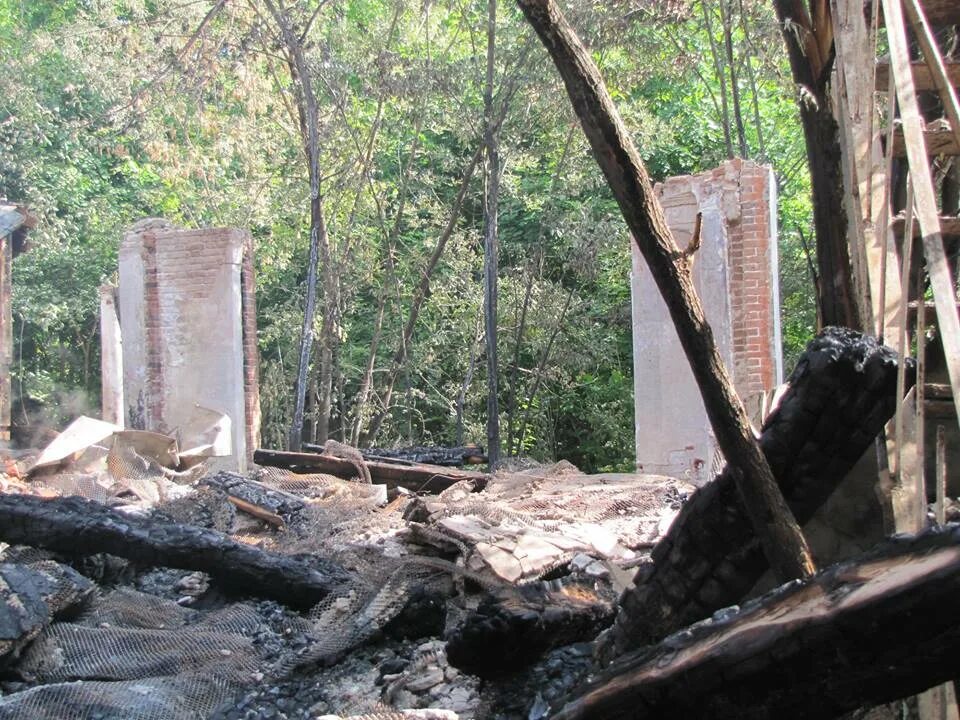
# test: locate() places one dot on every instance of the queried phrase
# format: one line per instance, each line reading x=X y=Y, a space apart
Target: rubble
x=284 y=592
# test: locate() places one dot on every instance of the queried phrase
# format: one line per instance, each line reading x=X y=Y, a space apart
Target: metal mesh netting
x=193 y=695
x=138 y=657
x=74 y=652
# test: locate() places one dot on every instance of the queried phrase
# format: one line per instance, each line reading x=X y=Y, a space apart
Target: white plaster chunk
x=501 y=562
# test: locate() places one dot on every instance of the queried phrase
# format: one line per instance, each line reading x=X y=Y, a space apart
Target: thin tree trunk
x=363 y=394
x=319 y=243
x=751 y=76
x=468 y=378
x=783 y=543
x=725 y=12
x=721 y=78
x=541 y=366
x=490 y=243
x=515 y=366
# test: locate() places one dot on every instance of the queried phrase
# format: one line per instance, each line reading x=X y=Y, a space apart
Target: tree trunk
x=809 y=43
x=490 y=244
x=721 y=78
x=319 y=242
x=467 y=380
x=864 y=632
x=727 y=21
x=782 y=541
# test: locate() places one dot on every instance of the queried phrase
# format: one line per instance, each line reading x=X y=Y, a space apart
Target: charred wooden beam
x=254 y=497
x=840 y=395
x=31 y=596
x=418 y=478
x=861 y=633
x=783 y=542
x=75 y=527
x=512 y=627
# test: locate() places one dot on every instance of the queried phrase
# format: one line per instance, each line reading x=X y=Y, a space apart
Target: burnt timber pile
x=296 y=593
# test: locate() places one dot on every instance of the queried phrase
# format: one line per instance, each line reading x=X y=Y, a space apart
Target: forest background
x=356 y=129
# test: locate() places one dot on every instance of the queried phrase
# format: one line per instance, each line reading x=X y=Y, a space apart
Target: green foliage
x=112 y=111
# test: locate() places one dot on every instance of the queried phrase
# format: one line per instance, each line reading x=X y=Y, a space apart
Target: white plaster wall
x=673 y=435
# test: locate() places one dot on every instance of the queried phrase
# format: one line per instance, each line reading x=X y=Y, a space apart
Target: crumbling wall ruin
x=188 y=322
x=735 y=271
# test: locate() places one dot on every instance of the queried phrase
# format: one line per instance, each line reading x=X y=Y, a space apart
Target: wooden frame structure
x=888 y=141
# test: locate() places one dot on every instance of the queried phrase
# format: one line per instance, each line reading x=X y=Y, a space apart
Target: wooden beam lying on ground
x=76 y=528
x=418 y=478
x=860 y=633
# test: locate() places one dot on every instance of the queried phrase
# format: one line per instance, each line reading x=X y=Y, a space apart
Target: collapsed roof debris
x=302 y=591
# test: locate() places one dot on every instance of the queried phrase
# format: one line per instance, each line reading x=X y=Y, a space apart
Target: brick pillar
x=754 y=284
x=735 y=273
x=185 y=354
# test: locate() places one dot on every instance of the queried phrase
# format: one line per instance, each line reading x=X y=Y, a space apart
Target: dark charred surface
x=77 y=527
x=841 y=393
x=860 y=633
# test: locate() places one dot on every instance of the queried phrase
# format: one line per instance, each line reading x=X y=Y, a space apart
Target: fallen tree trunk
x=418 y=478
x=779 y=534
x=861 y=633
x=840 y=395
x=76 y=527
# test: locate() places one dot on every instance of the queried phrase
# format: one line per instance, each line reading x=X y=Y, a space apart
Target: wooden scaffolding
x=897 y=72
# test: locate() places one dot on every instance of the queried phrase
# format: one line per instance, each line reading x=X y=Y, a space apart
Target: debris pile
x=140 y=582
x=216 y=594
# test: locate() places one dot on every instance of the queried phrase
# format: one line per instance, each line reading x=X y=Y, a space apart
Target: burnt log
x=289 y=508
x=860 y=633
x=31 y=596
x=417 y=478
x=75 y=527
x=512 y=627
x=441 y=456
x=840 y=395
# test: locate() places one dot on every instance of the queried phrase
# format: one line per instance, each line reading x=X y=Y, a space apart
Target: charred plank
x=860 y=633
x=418 y=478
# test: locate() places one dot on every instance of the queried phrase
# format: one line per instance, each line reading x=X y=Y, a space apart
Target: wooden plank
x=853 y=95
x=922 y=76
x=887 y=282
x=418 y=478
x=949 y=227
x=938 y=139
x=934 y=61
x=941 y=475
x=938 y=12
x=938 y=269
